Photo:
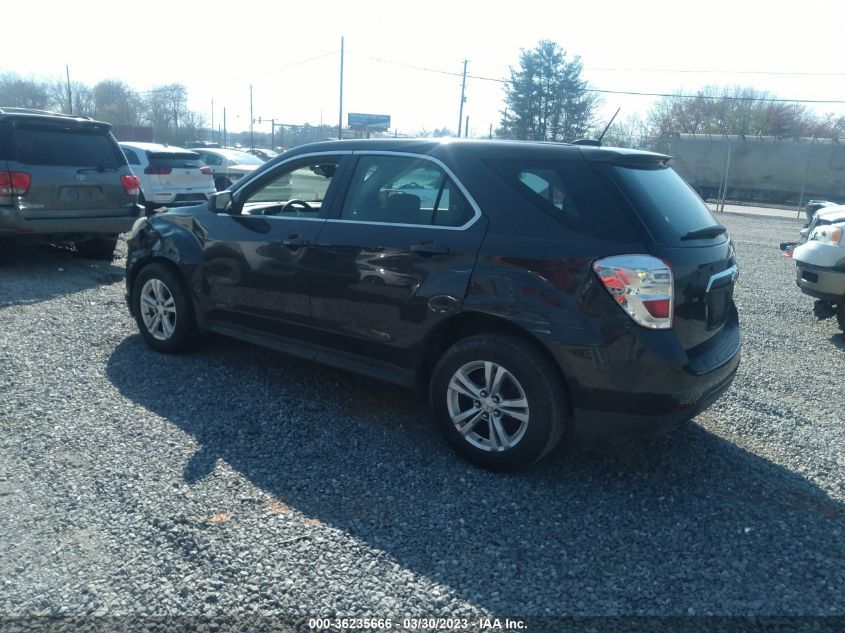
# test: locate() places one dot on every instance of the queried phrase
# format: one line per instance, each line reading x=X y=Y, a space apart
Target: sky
x=290 y=52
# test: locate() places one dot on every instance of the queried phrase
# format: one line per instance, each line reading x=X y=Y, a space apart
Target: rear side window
x=665 y=202
x=64 y=147
x=131 y=156
x=571 y=192
x=174 y=160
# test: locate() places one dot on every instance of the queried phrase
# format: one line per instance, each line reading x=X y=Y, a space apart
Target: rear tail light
x=14 y=183
x=131 y=184
x=207 y=171
x=160 y=171
x=642 y=286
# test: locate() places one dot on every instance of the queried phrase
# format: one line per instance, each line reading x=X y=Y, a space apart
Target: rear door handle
x=429 y=248
x=294 y=241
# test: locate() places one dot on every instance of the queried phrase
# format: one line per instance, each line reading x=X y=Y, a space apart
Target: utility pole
x=466 y=128
x=340 y=112
x=212 y=119
x=251 y=120
x=69 y=95
x=224 y=127
x=463 y=98
x=491 y=132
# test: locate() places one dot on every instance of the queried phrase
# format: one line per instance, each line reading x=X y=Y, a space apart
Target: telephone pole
x=463 y=98
x=212 y=119
x=251 y=120
x=340 y=113
x=69 y=96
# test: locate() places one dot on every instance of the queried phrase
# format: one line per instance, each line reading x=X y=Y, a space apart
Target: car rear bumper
x=14 y=225
x=644 y=383
x=819 y=282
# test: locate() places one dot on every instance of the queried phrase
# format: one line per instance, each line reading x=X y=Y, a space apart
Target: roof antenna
x=609 y=123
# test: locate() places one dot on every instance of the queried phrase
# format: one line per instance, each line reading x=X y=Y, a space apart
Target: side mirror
x=220 y=201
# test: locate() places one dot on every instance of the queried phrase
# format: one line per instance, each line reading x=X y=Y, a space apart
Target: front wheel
x=162 y=310
x=499 y=402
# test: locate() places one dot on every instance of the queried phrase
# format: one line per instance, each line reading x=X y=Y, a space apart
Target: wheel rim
x=158 y=309
x=488 y=406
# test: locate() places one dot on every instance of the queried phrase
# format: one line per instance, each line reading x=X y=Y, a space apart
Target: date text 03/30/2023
x=412 y=624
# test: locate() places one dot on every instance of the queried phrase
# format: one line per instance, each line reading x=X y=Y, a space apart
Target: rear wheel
x=98 y=247
x=498 y=401
x=163 y=310
x=840 y=314
x=221 y=184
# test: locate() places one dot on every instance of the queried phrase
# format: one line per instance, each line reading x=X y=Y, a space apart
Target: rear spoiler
x=631 y=158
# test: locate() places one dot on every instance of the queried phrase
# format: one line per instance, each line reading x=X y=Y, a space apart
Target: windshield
x=242 y=158
x=665 y=202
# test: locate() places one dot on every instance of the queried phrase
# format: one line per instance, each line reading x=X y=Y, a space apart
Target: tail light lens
x=131 y=184
x=14 y=183
x=207 y=171
x=159 y=171
x=642 y=285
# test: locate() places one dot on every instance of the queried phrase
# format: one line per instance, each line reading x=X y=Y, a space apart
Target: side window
x=211 y=159
x=546 y=184
x=404 y=190
x=296 y=192
x=131 y=156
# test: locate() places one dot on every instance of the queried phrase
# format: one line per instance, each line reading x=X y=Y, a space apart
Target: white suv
x=170 y=176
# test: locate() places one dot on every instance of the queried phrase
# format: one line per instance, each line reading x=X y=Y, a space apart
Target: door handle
x=429 y=248
x=294 y=241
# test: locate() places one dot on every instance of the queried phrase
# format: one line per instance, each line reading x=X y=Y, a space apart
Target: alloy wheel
x=488 y=406
x=158 y=309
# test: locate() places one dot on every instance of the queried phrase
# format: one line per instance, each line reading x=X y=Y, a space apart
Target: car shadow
x=31 y=274
x=631 y=527
x=838 y=340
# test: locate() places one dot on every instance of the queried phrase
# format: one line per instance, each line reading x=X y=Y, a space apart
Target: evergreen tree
x=546 y=99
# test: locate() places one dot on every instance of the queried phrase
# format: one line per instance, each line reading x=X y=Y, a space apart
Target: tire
x=221 y=184
x=98 y=247
x=840 y=314
x=532 y=430
x=158 y=292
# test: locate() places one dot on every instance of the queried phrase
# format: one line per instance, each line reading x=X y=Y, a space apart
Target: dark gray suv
x=64 y=178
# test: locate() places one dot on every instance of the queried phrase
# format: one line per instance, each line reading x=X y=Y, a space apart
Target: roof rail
x=592 y=142
x=16 y=110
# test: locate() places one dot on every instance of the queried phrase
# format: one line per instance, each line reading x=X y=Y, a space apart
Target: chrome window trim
x=345 y=152
x=731 y=272
x=476 y=209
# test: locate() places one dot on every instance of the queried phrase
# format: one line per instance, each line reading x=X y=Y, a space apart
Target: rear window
x=90 y=147
x=665 y=202
x=174 y=160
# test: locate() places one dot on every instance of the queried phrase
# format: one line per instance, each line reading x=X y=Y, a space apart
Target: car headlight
x=828 y=235
x=136 y=228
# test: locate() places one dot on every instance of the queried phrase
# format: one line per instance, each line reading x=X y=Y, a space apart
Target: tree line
x=163 y=108
x=547 y=99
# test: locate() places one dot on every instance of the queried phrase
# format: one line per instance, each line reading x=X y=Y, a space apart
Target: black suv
x=64 y=178
x=530 y=289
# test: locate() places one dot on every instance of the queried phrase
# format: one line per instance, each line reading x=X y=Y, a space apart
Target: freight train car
x=760 y=168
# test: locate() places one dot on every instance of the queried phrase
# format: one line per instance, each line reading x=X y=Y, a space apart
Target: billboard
x=369 y=121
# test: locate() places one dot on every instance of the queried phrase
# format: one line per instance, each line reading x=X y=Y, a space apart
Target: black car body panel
x=377 y=297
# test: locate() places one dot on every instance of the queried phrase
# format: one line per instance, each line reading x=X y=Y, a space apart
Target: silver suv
x=64 y=178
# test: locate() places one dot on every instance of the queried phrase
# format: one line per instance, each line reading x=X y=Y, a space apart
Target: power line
x=619 y=92
x=717 y=72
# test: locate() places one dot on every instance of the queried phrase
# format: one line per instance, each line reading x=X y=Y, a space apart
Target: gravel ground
x=234 y=481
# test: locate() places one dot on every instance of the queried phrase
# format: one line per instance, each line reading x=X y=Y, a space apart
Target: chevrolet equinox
x=532 y=290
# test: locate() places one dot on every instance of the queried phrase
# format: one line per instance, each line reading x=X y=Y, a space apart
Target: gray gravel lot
x=237 y=481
